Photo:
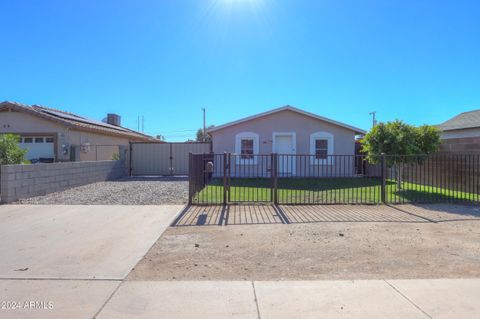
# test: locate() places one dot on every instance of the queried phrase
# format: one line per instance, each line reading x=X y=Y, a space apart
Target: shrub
x=412 y=144
x=10 y=151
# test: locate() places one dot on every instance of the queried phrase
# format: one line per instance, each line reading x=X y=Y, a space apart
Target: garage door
x=163 y=158
x=38 y=147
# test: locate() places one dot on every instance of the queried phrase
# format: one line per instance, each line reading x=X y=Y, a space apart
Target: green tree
x=403 y=143
x=10 y=151
x=200 y=137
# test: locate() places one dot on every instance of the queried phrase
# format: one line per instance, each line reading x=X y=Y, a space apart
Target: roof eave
x=356 y=130
x=457 y=128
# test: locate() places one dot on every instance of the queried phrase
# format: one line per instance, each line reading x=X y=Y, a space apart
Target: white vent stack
x=113 y=119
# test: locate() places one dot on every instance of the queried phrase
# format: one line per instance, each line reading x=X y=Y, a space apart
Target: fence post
x=130 y=160
x=271 y=177
x=384 y=178
x=225 y=178
x=171 y=160
x=274 y=176
x=229 y=175
x=190 y=178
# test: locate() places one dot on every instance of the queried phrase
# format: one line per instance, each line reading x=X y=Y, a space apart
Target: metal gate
x=163 y=158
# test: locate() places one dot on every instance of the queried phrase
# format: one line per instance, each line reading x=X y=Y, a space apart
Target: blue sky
x=414 y=60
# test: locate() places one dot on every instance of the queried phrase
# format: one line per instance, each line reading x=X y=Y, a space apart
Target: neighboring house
x=50 y=134
x=461 y=134
x=286 y=130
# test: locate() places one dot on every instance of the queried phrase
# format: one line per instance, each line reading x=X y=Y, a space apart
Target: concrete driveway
x=78 y=242
x=72 y=256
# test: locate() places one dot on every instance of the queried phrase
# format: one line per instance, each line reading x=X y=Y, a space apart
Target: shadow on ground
x=293 y=214
x=229 y=215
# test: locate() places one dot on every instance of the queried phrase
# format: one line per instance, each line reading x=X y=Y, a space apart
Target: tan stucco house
x=461 y=134
x=286 y=130
x=62 y=136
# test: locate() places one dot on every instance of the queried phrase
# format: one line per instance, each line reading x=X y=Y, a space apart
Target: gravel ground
x=126 y=191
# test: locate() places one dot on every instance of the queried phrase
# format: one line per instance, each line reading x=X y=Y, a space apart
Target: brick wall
x=463 y=145
x=23 y=181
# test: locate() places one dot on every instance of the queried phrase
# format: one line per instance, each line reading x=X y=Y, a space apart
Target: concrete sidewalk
x=105 y=299
x=438 y=298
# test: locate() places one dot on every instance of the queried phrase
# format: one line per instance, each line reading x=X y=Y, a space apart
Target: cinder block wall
x=464 y=145
x=24 y=181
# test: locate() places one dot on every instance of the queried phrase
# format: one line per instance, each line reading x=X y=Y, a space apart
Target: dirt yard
x=449 y=248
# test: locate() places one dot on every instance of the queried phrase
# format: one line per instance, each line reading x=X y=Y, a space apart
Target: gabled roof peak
x=289 y=108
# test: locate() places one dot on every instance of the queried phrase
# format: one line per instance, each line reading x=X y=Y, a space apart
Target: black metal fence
x=334 y=179
x=436 y=178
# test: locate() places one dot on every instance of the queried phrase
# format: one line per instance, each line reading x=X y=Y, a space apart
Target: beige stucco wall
x=285 y=121
x=23 y=123
x=102 y=147
x=288 y=121
x=471 y=132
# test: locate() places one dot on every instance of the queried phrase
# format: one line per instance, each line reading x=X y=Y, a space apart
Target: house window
x=246 y=146
x=48 y=139
x=27 y=140
x=38 y=139
x=321 y=146
x=321 y=149
x=246 y=150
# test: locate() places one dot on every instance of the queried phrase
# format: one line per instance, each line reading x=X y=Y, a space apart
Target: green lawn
x=327 y=190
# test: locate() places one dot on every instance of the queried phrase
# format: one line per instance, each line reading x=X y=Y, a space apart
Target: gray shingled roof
x=462 y=121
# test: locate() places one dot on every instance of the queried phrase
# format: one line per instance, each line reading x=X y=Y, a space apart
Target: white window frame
x=321 y=136
x=238 y=147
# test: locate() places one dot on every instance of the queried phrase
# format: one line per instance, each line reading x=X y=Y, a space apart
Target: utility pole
x=374 y=122
x=204 y=126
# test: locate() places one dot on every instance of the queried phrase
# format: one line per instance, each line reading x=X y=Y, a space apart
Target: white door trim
x=294 y=142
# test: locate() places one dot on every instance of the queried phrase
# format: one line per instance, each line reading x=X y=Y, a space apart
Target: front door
x=284 y=146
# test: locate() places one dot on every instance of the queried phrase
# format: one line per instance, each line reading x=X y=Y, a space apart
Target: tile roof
x=76 y=121
x=464 y=120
